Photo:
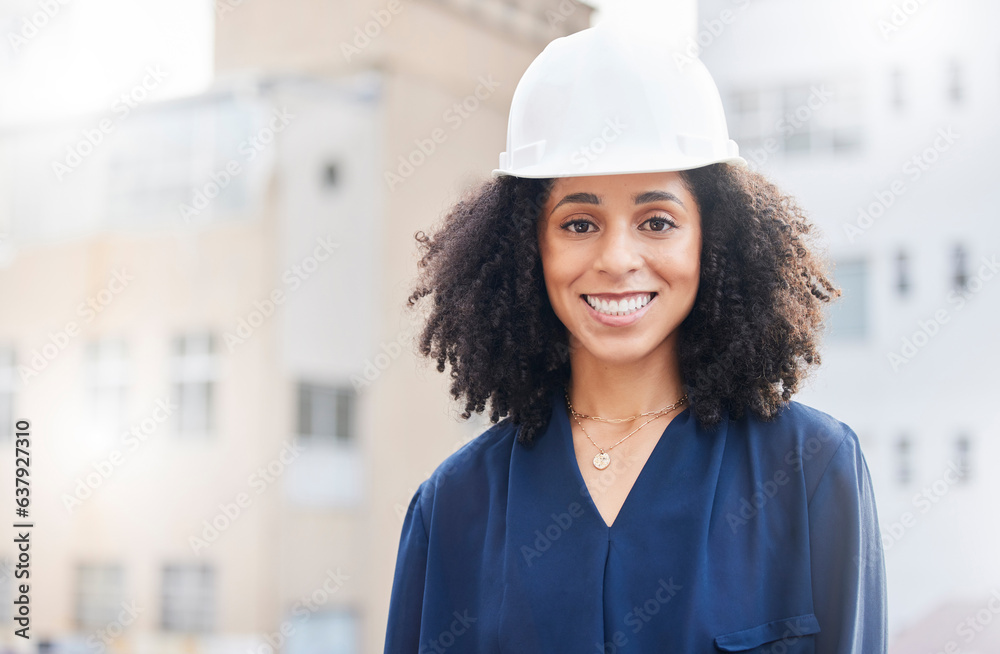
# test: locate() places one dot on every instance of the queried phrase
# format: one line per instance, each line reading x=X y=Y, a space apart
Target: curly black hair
x=746 y=344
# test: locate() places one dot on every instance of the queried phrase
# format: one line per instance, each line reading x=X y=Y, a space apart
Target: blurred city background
x=207 y=213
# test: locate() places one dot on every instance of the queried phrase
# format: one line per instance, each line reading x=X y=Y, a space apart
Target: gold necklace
x=602 y=459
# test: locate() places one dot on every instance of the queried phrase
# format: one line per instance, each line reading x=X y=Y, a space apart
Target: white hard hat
x=606 y=101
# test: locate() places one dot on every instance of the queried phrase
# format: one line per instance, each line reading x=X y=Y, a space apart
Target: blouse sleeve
x=848 y=564
x=406 y=602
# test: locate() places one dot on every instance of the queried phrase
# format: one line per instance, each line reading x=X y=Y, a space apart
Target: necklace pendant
x=602 y=460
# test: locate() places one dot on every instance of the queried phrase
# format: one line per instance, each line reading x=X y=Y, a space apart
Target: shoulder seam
x=494 y=434
x=419 y=507
x=455 y=462
x=830 y=462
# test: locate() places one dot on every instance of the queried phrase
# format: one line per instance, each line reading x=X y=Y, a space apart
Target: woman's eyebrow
x=639 y=198
x=656 y=196
x=581 y=198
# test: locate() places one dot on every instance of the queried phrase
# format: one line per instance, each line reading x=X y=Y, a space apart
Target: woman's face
x=630 y=244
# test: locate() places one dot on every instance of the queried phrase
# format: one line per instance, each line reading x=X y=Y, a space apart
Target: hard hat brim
x=528 y=173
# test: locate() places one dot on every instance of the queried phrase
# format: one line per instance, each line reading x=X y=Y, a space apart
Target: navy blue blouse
x=753 y=537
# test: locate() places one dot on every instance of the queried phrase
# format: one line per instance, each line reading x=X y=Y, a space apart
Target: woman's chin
x=616 y=352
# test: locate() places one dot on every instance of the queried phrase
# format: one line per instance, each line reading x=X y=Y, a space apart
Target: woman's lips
x=618 y=321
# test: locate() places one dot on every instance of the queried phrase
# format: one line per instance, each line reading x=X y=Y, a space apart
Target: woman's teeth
x=621 y=307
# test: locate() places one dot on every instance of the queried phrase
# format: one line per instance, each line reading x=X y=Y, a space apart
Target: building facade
x=207 y=331
x=879 y=118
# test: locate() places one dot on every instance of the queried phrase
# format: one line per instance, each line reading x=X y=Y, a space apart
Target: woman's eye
x=660 y=223
x=573 y=226
x=656 y=224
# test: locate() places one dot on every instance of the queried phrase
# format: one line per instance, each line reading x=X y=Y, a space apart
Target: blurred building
x=204 y=324
x=880 y=117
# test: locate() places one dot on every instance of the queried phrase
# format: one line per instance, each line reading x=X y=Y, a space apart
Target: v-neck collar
x=560 y=414
x=556 y=548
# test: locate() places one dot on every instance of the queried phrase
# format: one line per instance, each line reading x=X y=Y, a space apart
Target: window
x=194 y=375
x=963 y=461
x=329 y=473
x=796 y=132
x=896 y=89
x=904 y=462
x=330 y=175
x=849 y=313
x=107 y=377
x=188 y=601
x=902 y=273
x=179 y=155
x=746 y=119
x=959 y=268
x=956 y=89
x=331 y=632
x=152 y=166
x=802 y=118
x=100 y=591
x=6 y=394
x=325 y=412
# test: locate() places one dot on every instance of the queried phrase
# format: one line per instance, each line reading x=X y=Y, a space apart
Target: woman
x=638 y=316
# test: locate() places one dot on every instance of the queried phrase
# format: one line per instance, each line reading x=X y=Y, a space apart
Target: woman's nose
x=618 y=249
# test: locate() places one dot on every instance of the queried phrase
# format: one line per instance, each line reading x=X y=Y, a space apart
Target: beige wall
x=141 y=515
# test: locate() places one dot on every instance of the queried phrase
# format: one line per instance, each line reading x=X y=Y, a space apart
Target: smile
x=624 y=306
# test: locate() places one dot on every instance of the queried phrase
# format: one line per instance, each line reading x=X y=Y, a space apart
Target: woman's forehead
x=634 y=188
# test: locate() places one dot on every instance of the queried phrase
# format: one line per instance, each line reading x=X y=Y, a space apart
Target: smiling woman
x=613 y=243
x=665 y=285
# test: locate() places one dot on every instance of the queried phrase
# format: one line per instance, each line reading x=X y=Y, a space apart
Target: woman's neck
x=618 y=390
